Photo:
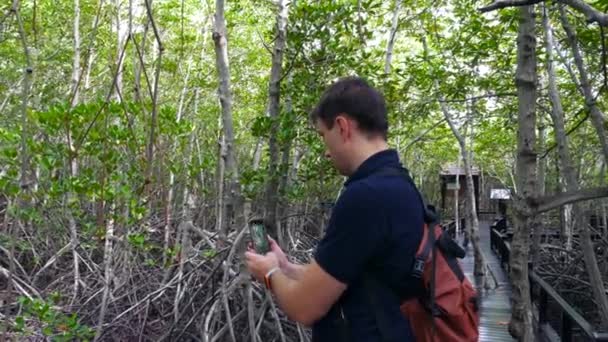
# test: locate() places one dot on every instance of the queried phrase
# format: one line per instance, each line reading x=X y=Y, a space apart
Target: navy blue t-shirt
x=375 y=227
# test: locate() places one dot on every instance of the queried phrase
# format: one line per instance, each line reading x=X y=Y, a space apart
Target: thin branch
x=593 y=15
x=359 y=25
x=604 y=71
x=20 y=284
x=24 y=182
x=223 y=330
x=574 y=128
x=125 y=111
x=16 y=262
x=275 y=315
x=473 y=98
x=292 y=64
x=76 y=69
x=51 y=261
x=546 y=203
x=264 y=43
x=93 y=35
x=507 y=3
x=419 y=137
x=597 y=116
x=567 y=65
x=391 y=38
x=150 y=149
x=181 y=51
x=142 y=63
x=34 y=26
x=107 y=100
x=9 y=283
x=151 y=18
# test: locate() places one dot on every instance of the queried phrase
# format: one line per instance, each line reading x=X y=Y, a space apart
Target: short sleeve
x=354 y=235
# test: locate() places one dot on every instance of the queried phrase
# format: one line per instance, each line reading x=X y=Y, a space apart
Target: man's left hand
x=258 y=264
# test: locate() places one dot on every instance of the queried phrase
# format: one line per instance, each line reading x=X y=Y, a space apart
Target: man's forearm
x=309 y=297
x=284 y=288
x=289 y=294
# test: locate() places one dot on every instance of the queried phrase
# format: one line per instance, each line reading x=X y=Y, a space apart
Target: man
x=374 y=230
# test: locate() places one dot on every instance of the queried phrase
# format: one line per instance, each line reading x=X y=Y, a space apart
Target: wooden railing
x=571 y=321
x=572 y=326
x=486 y=215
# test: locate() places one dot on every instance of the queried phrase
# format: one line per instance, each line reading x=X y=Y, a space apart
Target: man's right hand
x=290 y=269
x=276 y=249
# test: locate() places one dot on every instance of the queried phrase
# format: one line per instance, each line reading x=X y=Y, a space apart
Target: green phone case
x=259 y=237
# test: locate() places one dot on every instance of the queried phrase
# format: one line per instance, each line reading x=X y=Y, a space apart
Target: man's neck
x=365 y=151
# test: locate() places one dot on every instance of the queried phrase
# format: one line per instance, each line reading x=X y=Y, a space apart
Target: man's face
x=335 y=143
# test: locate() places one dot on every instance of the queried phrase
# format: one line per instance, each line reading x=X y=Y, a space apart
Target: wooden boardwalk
x=495 y=309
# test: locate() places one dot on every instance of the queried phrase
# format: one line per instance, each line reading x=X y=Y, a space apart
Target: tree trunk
x=284 y=172
x=120 y=37
x=571 y=179
x=87 y=73
x=171 y=188
x=232 y=194
x=567 y=224
x=480 y=264
x=360 y=23
x=90 y=49
x=24 y=177
x=138 y=64
x=73 y=162
x=457 y=201
x=108 y=273
x=520 y=325
x=602 y=203
x=597 y=117
x=542 y=168
x=257 y=154
x=274 y=100
x=76 y=60
x=604 y=218
x=152 y=136
x=391 y=37
x=220 y=217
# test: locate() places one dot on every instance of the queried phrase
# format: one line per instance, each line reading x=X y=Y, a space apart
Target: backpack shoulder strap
x=426 y=248
x=451 y=251
x=429 y=216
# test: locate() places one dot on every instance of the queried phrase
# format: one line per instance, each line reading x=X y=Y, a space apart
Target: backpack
x=446 y=309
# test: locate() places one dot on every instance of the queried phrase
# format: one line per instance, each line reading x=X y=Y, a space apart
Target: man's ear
x=344 y=125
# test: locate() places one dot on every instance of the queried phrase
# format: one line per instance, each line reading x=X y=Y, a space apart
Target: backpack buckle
x=418 y=268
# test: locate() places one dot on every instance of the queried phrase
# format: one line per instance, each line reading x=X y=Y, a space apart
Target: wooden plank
x=495 y=310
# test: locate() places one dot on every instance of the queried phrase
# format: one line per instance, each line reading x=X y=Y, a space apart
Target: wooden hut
x=453 y=186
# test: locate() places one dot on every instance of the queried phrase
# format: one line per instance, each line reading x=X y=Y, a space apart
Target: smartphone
x=259 y=236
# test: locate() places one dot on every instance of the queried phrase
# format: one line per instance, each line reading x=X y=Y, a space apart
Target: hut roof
x=453 y=170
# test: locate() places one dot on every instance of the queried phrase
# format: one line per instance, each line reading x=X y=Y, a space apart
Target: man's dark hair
x=354 y=97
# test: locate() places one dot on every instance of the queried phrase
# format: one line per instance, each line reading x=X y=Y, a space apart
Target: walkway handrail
x=569 y=316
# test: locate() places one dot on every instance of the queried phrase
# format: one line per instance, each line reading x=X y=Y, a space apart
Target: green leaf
x=20 y=323
x=209 y=253
x=47 y=331
x=137 y=240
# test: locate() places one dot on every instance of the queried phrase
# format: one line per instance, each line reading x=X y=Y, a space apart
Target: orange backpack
x=447 y=308
x=448 y=311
